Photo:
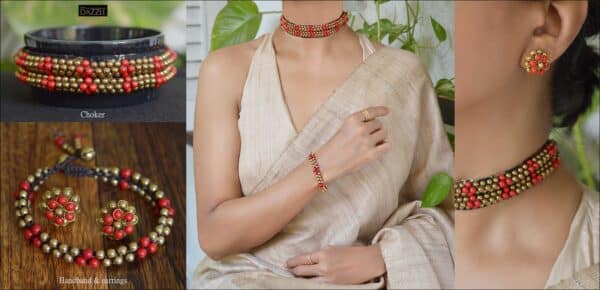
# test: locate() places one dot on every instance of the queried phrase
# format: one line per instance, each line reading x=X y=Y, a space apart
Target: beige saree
x=376 y=204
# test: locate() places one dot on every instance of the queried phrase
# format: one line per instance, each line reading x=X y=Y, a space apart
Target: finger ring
x=366 y=116
x=310 y=260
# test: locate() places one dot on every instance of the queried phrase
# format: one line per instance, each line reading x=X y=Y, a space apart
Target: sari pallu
x=376 y=204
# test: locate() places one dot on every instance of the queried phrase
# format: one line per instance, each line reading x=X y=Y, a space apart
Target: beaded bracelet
x=312 y=158
x=124 y=179
x=87 y=76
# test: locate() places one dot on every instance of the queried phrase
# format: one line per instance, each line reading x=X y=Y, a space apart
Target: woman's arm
x=229 y=222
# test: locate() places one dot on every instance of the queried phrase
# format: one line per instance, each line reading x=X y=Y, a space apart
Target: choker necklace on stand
x=314 y=31
x=473 y=194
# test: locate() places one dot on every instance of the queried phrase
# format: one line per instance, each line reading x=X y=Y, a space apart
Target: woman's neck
x=312 y=12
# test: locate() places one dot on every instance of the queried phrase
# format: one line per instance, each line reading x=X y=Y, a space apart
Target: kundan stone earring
x=537 y=62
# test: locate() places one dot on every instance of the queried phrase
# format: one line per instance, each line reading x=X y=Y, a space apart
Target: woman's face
x=491 y=38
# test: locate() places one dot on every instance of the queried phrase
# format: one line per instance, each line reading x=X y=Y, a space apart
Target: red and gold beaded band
x=311 y=30
x=86 y=76
x=312 y=158
x=473 y=194
x=123 y=178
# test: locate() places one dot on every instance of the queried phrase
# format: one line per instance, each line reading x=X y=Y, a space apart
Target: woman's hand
x=340 y=264
x=357 y=143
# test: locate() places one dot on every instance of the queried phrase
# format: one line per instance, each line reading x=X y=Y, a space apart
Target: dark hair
x=576 y=73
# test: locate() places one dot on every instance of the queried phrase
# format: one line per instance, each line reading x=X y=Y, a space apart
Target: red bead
x=125 y=62
x=108 y=230
x=126 y=86
x=123 y=185
x=24 y=185
x=502 y=184
x=70 y=216
x=44 y=82
x=49 y=214
x=48 y=66
x=79 y=69
x=512 y=193
x=128 y=217
x=472 y=198
x=465 y=189
x=93 y=88
x=131 y=69
x=477 y=204
x=51 y=85
x=171 y=211
x=87 y=254
x=164 y=202
x=94 y=263
x=36 y=242
x=80 y=261
x=129 y=229
x=505 y=196
x=119 y=235
x=144 y=242
x=89 y=81
x=117 y=214
x=36 y=229
x=152 y=248
x=89 y=72
x=70 y=206
x=141 y=253
x=125 y=173
x=52 y=204
x=472 y=190
x=508 y=181
x=108 y=219
x=27 y=234
x=59 y=221
x=134 y=85
x=31 y=196
x=470 y=204
x=83 y=87
x=85 y=63
x=62 y=199
x=123 y=71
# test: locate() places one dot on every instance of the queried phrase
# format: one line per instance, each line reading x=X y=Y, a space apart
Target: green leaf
x=395 y=31
x=440 y=31
x=381 y=1
x=237 y=22
x=385 y=26
x=437 y=190
x=444 y=87
x=410 y=45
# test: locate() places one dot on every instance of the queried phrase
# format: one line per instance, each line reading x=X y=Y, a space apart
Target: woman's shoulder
x=232 y=59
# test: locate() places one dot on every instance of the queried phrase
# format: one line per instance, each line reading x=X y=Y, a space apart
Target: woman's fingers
x=371 y=113
x=378 y=136
x=306 y=270
x=373 y=126
x=302 y=259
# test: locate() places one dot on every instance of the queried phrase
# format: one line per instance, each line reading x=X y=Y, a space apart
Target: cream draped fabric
x=377 y=204
x=577 y=264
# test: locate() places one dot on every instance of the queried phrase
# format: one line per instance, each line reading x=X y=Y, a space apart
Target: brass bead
x=22 y=223
x=152 y=187
x=122 y=250
x=56 y=253
x=130 y=257
x=111 y=253
x=122 y=204
x=153 y=236
x=118 y=260
x=159 y=229
x=136 y=177
x=100 y=254
x=28 y=218
x=112 y=204
x=170 y=221
x=87 y=153
x=160 y=240
x=63 y=248
x=166 y=231
x=53 y=243
x=114 y=182
x=106 y=262
x=68 y=258
x=145 y=181
x=162 y=220
x=46 y=248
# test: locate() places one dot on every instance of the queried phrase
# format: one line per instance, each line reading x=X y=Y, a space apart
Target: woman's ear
x=562 y=21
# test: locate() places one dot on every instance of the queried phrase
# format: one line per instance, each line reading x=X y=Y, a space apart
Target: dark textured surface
x=17 y=105
x=155 y=150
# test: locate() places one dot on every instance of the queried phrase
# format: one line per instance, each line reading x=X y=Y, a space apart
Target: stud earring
x=117 y=219
x=537 y=62
x=61 y=206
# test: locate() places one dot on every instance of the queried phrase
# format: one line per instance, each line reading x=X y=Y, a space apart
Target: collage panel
x=281 y=181
x=73 y=61
x=96 y=207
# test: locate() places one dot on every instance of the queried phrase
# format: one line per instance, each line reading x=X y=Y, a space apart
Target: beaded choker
x=473 y=194
x=314 y=31
x=60 y=207
x=85 y=76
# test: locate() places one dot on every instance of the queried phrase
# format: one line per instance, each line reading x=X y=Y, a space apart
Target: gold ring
x=366 y=116
x=310 y=260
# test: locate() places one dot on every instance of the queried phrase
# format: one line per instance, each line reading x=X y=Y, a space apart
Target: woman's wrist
x=376 y=263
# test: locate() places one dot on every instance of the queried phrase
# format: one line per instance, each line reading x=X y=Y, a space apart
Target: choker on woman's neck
x=473 y=194
x=314 y=30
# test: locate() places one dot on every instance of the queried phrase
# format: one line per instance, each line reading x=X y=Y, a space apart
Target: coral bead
x=108 y=219
x=49 y=214
x=80 y=261
x=128 y=217
x=71 y=206
x=152 y=248
x=62 y=200
x=25 y=186
x=117 y=214
x=36 y=242
x=108 y=230
x=141 y=253
x=59 y=221
x=94 y=263
x=119 y=235
x=87 y=254
x=36 y=229
x=123 y=185
x=144 y=242
x=125 y=173
x=69 y=216
x=59 y=141
x=164 y=202
x=129 y=229
x=27 y=234
x=52 y=204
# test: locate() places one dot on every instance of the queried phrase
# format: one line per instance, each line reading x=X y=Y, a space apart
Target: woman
x=519 y=66
x=311 y=147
